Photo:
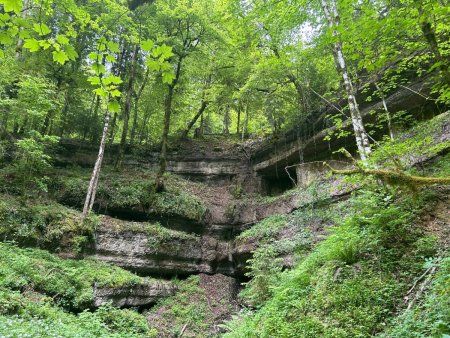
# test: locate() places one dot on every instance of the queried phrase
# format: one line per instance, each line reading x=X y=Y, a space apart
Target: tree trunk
x=226 y=121
x=127 y=109
x=112 y=133
x=238 y=127
x=136 y=106
x=64 y=112
x=20 y=42
x=430 y=35
x=362 y=138
x=92 y=190
x=200 y=112
x=245 y=126
x=159 y=186
x=164 y=140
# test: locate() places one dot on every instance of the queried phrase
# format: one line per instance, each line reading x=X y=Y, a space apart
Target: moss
x=69 y=282
x=44 y=223
x=37 y=316
x=131 y=190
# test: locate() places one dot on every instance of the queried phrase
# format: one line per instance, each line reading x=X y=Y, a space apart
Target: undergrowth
x=69 y=282
x=44 y=223
x=38 y=288
x=352 y=283
x=128 y=191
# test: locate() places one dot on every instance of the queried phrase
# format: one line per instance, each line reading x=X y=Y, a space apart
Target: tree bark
x=165 y=135
x=136 y=107
x=20 y=42
x=92 y=190
x=238 y=127
x=127 y=109
x=199 y=113
x=430 y=35
x=226 y=121
x=361 y=136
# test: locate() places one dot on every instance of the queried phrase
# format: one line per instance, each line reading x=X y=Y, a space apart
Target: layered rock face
x=174 y=254
x=140 y=295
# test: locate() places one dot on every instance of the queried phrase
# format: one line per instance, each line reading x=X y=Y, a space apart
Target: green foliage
x=68 y=282
x=31 y=162
x=38 y=317
x=126 y=191
x=431 y=316
x=267 y=227
x=189 y=306
x=346 y=286
x=45 y=224
x=423 y=141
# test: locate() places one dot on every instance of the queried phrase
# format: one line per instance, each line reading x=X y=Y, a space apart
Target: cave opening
x=278 y=183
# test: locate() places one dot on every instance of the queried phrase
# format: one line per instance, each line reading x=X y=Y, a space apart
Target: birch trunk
x=362 y=139
x=92 y=190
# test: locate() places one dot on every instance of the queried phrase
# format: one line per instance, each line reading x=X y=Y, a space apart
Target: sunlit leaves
x=113 y=106
x=32 y=45
x=41 y=28
x=60 y=57
x=168 y=77
x=12 y=5
x=157 y=59
x=147 y=45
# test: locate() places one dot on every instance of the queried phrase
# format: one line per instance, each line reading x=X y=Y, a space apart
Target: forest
x=225 y=168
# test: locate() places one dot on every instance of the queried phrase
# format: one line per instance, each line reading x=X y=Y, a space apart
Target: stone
x=138 y=295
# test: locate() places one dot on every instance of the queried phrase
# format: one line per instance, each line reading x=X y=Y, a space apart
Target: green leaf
x=168 y=77
x=100 y=92
x=60 y=56
x=166 y=51
x=32 y=45
x=112 y=80
x=113 y=106
x=71 y=52
x=44 y=44
x=94 y=56
x=147 y=45
x=12 y=5
x=111 y=58
x=41 y=29
x=113 y=47
x=98 y=68
x=153 y=65
x=62 y=39
x=115 y=93
x=94 y=80
x=5 y=39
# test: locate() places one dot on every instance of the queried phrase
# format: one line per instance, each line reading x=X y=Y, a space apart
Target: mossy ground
x=132 y=189
x=37 y=289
